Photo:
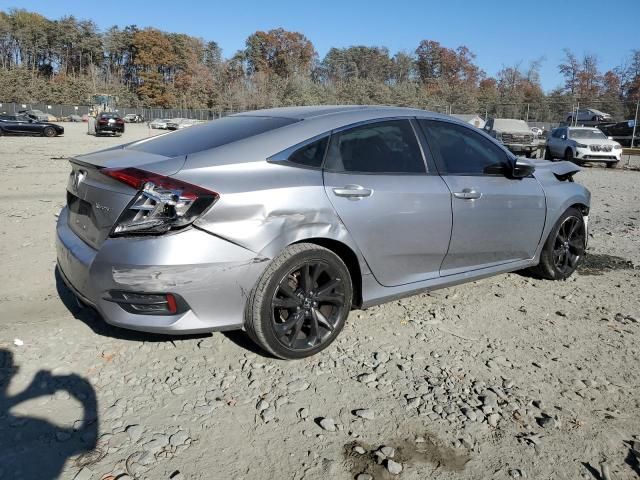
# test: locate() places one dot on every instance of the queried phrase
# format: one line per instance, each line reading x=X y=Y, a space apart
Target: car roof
x=337 y=111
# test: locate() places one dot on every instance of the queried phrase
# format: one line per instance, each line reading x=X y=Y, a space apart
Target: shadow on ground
x=31 y=447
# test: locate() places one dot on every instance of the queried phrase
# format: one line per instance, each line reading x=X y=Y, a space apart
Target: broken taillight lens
x=161 y=204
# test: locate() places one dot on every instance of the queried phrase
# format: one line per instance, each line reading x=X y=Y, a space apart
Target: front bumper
x=213 y=276
x=586 y=154
x=519 y=147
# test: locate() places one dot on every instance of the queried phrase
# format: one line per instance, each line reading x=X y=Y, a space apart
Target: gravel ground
x=508 y=377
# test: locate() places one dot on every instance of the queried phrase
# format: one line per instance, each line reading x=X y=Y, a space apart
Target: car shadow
x=242 y=340
x=633 y=456
x=32 y=447
x=92 y=318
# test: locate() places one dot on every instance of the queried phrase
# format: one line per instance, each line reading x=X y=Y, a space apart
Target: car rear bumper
x=211 y=275
x=110 y=129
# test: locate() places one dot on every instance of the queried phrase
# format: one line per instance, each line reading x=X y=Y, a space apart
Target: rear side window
x=209 y=135
x=310 y=155
x=461 y=151
x=381 y=147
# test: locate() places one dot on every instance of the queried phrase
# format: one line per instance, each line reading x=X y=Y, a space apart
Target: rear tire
x=564 y=248
x=301 y=302
x=49 y=132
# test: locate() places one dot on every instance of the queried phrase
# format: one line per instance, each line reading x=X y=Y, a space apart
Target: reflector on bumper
x=148 y=303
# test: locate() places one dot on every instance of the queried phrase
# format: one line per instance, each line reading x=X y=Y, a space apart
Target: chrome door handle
x=353 y=191
x=467 y=194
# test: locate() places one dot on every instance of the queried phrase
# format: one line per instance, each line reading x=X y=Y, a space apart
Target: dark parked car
x=621 y=132
x=24 y=125
x=109 y=123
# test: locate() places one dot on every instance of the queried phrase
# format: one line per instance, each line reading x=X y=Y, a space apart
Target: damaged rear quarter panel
x=264 y=207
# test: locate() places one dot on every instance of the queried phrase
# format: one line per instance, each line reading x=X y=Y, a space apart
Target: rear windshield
x=210 y=135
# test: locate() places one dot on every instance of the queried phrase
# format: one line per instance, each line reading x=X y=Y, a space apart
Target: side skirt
x=374 y=294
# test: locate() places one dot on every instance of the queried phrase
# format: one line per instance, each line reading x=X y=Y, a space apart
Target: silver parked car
x=281 y=221
x=588 y=115
x=159 y=123
x=582 y=144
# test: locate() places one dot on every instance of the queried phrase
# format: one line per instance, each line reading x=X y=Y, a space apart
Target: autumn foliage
x=68 y=60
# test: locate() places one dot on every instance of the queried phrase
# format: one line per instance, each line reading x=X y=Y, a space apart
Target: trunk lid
x=95 y=201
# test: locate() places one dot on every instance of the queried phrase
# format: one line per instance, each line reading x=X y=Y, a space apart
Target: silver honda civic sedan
x=281 y=221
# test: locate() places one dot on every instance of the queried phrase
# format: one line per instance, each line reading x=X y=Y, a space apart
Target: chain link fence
x=62 y=112
x=546 y=115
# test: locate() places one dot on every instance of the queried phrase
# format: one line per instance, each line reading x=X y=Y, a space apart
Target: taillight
x=162 y=203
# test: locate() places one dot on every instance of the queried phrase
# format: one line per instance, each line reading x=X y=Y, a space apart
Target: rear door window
x=381 y=147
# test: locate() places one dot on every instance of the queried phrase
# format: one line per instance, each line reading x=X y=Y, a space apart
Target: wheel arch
x=582 y=207
x=350 y=259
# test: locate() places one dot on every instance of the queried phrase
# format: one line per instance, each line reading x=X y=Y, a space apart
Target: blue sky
x=500 y=33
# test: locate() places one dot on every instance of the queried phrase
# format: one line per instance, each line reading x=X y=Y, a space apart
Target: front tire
x=565 y=247
x=49 y=132
x=547 y=154
x=568 y=156
x=301 y=302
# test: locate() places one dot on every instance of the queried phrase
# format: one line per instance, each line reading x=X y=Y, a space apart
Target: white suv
x=582 y=144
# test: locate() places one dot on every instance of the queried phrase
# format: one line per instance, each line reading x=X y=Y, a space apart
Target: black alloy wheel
x=564 y=248
x=307 y=305
x=569 y=245
x=301 y=302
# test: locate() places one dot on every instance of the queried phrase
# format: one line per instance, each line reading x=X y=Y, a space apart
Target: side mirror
x=610 y=138
x=563 y=137
x=522 y=168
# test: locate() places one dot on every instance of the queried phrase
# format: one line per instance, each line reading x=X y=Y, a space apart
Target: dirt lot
x=508 y=377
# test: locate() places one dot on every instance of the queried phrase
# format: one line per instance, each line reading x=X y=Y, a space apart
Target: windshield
x=510 y=124
x=590 y=133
